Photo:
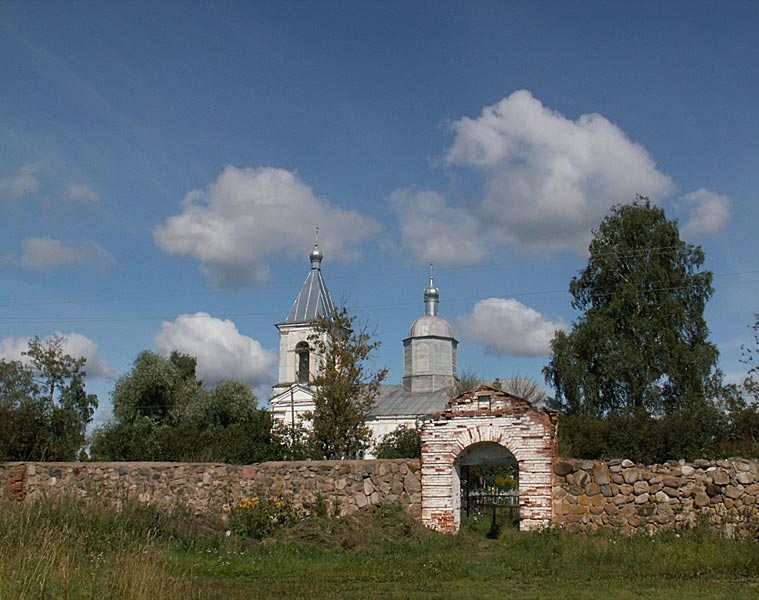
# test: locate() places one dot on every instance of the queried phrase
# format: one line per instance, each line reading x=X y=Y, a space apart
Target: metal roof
x=396 y=400
x=430 y=326
x=313 y=301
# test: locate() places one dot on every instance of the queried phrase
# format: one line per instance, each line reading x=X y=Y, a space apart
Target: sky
x=164 y=165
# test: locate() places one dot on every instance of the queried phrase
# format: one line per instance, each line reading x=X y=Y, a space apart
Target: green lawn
x=74 y=551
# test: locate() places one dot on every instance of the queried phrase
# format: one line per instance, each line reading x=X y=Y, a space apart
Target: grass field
x=75 y=551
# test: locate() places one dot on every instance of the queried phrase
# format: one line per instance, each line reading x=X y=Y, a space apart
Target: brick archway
x=488 y=415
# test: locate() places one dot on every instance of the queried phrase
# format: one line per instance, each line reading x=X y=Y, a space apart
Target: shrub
x=258 y=516
x=401 y=443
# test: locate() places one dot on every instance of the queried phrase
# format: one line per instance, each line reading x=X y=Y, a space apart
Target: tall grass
x=75 y=550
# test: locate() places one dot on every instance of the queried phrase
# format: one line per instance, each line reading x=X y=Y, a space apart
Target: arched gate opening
x=488 y=479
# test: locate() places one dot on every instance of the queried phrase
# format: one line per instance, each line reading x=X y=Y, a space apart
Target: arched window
x=303 y=351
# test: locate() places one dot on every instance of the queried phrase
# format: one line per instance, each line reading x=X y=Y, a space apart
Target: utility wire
x=354 y=307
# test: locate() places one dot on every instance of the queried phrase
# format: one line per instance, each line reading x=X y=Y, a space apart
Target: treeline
x=163 y=412
x=705 y=431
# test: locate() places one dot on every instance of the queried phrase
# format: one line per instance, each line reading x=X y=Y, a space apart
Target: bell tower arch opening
x=303 y=352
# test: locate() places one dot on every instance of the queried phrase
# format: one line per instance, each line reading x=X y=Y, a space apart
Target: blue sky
x=163 y=166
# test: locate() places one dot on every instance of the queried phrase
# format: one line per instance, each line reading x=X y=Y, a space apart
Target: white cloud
x=81 y=192
x=433 y=231
x=506 y=327
x=222 y=351
x=74 y=344
x=708 y=212
x=44 y=254
x=250 y=215
x=549 y=180
x=546 y=180
x=21 y=183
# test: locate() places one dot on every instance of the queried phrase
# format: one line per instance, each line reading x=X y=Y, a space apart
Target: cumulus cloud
x=248 y=216
x=708 y=212
x=546 y=180
x=45 y=254
x=74 y=344
x=21 y=183
x=80 y=192
x=506 y=327
x=222 y=351
x=433 y=231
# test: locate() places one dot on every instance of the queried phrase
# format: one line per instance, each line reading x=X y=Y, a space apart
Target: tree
x=641 y=342
x=156 y=387
x=164 y=413
x=522 y=387
x=750 y=358
x=345 y=389
x=468 y=381
x=401 y=443
x=44 y=408
x=227 y=403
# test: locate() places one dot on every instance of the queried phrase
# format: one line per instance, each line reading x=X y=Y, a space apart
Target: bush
x=258 y=517
x=401 y=443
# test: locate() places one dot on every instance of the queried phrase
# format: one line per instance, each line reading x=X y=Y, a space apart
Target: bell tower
x=298 y=364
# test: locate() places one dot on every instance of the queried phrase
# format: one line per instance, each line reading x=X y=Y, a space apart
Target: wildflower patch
x=258 y=517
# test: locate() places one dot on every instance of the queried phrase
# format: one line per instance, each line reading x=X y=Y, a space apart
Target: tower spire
x=431 y=297
x=316 y=255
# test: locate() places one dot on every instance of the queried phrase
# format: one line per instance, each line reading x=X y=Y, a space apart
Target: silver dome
x=430 y=325
x=316 y=257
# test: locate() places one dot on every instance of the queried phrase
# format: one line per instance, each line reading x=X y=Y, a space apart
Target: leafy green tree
x=295 y=440
x=345 y=389
x=227 y=403
x=138 y=439
x=44 y=408
x=62 y=377
x=16 y=383
x=51 y=365
x=641 y=342
x=158 y=388
x=162 y=412
x=401 y=443
x=742 y=404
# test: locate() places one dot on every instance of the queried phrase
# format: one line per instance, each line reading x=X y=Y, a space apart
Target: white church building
x=429 y=361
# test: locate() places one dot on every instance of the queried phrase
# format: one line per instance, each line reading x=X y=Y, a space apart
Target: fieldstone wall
x=346 y=486
x=621 y=496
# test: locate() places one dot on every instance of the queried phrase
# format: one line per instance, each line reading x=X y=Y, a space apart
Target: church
x=429 y=361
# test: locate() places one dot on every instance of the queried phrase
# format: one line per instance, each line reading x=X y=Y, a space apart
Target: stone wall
x=621 y=496
x=346 y=486
x=587 y=495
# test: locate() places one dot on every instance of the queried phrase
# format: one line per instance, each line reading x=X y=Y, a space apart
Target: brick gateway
x=481 y=424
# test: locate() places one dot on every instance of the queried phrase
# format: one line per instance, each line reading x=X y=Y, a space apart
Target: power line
x=9 y=302
x=356 y=307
